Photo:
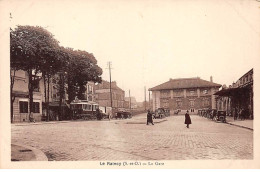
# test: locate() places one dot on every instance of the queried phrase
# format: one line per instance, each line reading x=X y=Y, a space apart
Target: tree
x=33 y=50
x=82 y=68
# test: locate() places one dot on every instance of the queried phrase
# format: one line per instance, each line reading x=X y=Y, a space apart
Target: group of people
x=150 y=118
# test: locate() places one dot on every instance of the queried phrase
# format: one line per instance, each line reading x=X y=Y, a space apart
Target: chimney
x=211 y=79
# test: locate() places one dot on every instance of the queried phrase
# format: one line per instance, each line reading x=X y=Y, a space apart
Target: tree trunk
x=12 y=97
x=30 y=88
x=48 y=97
x=61 y=91
x=45 y=92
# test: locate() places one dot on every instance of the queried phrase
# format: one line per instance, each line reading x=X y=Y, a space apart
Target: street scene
x=92 y=81
x=132 y=139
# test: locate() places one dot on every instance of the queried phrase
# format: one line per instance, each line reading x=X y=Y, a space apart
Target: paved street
x=126 y=140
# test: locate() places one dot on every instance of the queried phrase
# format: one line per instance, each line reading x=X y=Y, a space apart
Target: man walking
x=149 y=118
x=187 y=119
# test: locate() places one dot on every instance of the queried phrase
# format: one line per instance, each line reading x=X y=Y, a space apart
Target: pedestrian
x=149 y=118
x=187 y=119
x=98 y=114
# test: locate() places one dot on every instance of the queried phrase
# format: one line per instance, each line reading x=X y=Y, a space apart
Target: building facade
x=237 y=97
x=102 y=95
x=21 y=98
x=185 y=94
x=90 y=92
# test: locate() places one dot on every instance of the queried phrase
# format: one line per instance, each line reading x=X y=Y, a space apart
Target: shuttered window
x=23 y=107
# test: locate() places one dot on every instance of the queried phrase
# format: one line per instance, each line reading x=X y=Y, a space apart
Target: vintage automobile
x=220 y=116
x=159 y=113
x=167 y=112
x=123 y=115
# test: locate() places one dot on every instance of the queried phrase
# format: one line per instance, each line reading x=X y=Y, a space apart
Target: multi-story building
x=237 y=96
x=185 y=94
x=102 y=94
x=21 y=101
x=90 y=93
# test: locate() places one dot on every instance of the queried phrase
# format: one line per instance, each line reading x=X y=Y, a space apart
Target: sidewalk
x=41 y=122
x=240 y=123
x=26 y=153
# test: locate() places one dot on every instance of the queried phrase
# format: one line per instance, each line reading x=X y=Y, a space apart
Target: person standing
x=98 y=114
x=149 y=118
x=187 y=119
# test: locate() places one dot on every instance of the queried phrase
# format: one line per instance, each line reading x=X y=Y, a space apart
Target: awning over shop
x=229 y=91
x=56 y=104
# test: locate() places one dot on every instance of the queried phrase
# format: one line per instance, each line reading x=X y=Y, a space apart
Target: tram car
x=82 y=109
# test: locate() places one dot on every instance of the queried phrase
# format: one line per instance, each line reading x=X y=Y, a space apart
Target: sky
x=149 y=42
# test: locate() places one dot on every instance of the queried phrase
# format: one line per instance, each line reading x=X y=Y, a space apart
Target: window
x=36 y=85
x=23 y=107
x=192 y=92
x=205 y=91
x=191 y=103
x=177 y=92
x=36 y=107
x=179 y=104
x=206 y=102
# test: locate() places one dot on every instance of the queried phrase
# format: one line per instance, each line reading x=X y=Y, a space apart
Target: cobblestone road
x=119 y=140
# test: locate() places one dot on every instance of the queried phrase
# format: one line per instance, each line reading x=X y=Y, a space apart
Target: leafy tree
x=33 y=50
x=82 y=68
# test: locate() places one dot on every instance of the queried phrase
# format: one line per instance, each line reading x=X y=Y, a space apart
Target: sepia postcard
x=129 y=84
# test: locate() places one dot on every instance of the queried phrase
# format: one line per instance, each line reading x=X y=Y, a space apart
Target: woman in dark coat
x=149 y=117
x=187 y=119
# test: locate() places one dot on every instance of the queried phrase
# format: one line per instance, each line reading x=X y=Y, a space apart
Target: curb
x=39 y=155
x=240 y=126
x=40 y=123
x=145 y=122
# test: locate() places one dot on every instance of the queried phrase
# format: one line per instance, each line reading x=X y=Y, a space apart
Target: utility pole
x=149 y=101
x=109 y=67
x=129 y=100
x=144 y=97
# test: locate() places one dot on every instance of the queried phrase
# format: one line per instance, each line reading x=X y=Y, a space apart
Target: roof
x=106 y=85
x=184 y=83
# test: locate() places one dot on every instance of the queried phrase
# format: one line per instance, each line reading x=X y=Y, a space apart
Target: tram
x=83 y=109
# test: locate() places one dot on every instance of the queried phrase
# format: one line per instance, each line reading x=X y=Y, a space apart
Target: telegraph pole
x=149 y=101
x=109 y=67
x=144 y=97
x=129 y=100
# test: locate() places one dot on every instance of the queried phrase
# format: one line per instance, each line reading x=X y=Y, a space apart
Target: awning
x=56 y=104
x=229 y=91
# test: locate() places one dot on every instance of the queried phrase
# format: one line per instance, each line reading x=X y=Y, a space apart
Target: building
x=54 y=100
x=185 y=94
x=90 y=93
x=102 y=94
x=133 y=102
x=237 y=97
x=21 y=94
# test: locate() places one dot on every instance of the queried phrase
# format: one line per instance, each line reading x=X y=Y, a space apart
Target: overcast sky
x=149 y=42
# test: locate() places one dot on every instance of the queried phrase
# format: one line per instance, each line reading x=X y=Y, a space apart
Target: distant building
x=185 y=94
x=238 y=96
x=90 y=93
x=133 y=102
x=102 y=91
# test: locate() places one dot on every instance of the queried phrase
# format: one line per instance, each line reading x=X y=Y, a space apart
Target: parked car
x=167 y=112
x=220 y=116
x=159 y=113
x=123 y=115
x=127 y=115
